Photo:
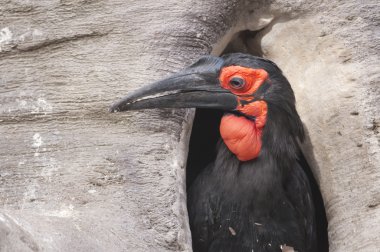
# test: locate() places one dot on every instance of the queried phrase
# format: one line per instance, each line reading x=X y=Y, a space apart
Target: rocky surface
x=76 y=178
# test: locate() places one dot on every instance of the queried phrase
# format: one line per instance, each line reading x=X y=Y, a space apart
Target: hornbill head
x=252 y=90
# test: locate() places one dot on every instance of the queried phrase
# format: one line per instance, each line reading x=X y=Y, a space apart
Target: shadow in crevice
x=203 y=140
x=205 y=134
x=245 y=42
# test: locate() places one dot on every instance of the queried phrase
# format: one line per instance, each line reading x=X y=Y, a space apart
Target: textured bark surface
x=73 y=176
x=76 y=178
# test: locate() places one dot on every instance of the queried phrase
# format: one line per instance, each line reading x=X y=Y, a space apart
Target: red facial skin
x=254 y=78
x=241 y=135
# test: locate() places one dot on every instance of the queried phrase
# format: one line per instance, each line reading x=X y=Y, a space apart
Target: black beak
x=195 y=87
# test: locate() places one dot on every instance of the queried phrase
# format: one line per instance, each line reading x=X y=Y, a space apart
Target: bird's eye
x=237 y=82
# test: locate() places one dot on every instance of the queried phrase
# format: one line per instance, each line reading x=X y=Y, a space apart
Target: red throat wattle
x=242 y=135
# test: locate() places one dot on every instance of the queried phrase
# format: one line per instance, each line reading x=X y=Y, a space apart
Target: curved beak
x=194 y=87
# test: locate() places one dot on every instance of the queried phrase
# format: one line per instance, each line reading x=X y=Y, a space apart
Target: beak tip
x=113 y=109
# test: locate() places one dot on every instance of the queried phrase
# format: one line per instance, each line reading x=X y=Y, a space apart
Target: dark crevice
x=205 y=134
x=245 y=42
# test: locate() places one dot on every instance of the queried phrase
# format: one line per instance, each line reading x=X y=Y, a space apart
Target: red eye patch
x=242 y=80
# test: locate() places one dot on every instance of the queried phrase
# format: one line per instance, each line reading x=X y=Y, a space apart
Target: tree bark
x=75 y=178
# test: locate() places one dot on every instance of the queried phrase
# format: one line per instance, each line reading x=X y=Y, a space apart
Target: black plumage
x=256 y=205
x=263 y=203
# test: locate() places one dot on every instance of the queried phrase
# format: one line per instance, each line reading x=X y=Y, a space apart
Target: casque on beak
x=194 y=87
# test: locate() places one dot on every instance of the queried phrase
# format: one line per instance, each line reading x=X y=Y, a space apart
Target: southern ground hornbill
x=255 y=196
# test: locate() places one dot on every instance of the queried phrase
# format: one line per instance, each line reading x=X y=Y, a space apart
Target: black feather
x=261 y=204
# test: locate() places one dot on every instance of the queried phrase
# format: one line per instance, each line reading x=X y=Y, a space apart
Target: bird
x=255 y=195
